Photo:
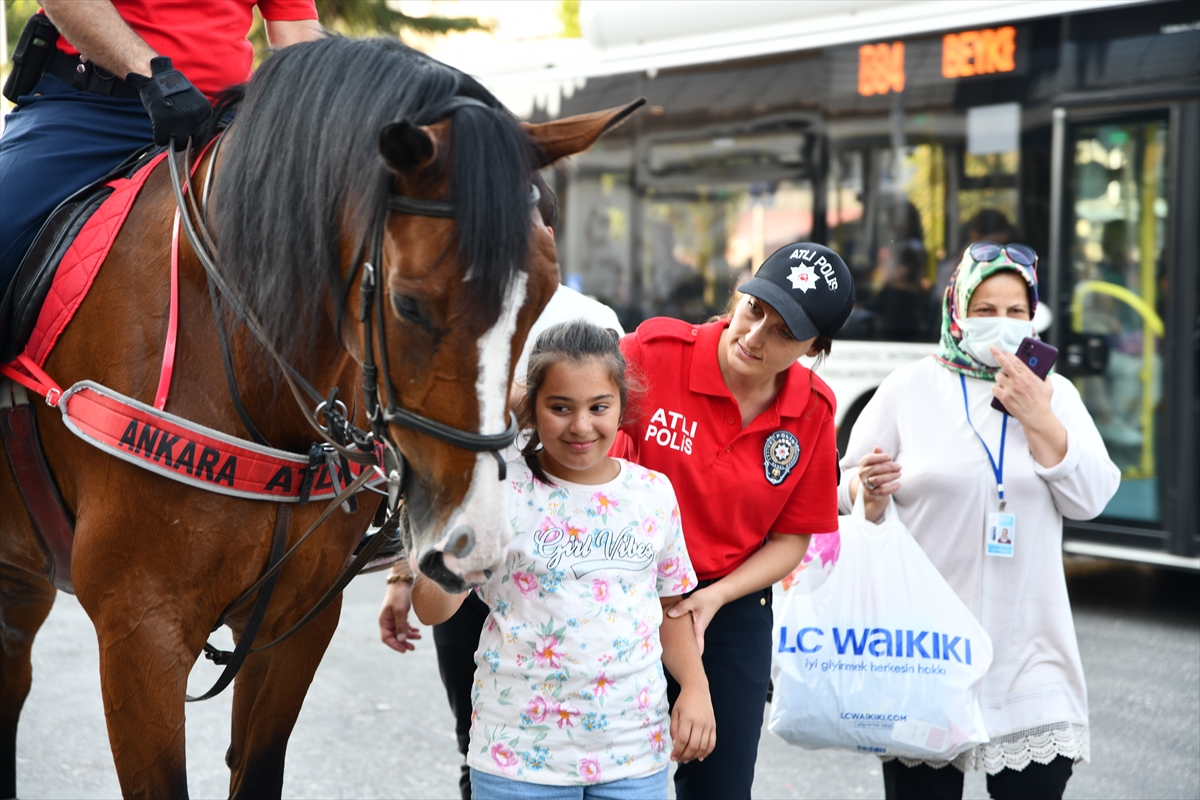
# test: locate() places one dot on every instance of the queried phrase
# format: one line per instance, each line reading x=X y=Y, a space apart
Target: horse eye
x=407 y=307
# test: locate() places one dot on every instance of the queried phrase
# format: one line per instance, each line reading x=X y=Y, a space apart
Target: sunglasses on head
x=1022 y=254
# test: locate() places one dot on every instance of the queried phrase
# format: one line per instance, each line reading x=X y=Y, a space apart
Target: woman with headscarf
x=969 y=469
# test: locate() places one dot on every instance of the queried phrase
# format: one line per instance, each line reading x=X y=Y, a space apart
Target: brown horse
x=326 y=132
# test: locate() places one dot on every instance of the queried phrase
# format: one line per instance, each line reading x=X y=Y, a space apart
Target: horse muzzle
x=473 y=538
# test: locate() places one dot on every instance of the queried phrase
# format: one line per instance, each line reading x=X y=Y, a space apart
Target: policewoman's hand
x=177 y=109
x=703 y=604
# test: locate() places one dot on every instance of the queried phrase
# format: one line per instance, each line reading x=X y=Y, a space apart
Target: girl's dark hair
x=576 y=342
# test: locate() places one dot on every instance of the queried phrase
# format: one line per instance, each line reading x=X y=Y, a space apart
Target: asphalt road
x=376 y=723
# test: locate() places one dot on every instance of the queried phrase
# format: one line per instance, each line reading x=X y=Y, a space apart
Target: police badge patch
x=780 y=454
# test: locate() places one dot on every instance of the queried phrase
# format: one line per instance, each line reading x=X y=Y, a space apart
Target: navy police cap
x=808 y=285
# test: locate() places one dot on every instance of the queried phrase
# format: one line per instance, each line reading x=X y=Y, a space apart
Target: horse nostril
x=433 y=566
x=461 y=542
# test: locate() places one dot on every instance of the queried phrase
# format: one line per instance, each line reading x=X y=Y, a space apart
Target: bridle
x=374 y=448
x=372 y=315
x=338 y=432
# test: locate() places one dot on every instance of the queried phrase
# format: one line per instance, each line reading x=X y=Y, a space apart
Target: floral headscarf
x=966 y=278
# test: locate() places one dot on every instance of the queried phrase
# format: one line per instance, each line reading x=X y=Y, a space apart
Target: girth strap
x=52 y=523
x=233 y=661
x=373 y=546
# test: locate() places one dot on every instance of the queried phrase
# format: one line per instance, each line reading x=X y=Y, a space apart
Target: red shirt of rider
x=734 y=485
x=206 y=41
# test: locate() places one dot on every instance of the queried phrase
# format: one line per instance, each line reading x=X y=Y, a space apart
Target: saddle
x=52 y=280
x=27 y=292
x=19 y=312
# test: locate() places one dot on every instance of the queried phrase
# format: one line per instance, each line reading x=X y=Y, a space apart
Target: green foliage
x=568 y=15
x=373 y=17
x=349 y=17
x=15 y=14
x=365 y=18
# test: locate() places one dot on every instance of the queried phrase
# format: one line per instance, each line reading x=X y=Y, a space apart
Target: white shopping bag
x=882 y=657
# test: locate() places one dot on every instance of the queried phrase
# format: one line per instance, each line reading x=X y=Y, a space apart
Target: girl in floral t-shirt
x=569 y=684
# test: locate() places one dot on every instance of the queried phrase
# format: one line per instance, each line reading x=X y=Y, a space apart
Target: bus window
x=847 y=233
x=1115 y=285
x=892 y=236
x=902 y=216
x=700 y=242
x=596 y=219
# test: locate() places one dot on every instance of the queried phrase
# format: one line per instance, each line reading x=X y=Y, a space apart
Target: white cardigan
x=948 y=489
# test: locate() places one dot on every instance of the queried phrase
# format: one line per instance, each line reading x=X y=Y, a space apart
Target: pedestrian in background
x=746 y=435
x=969 y=469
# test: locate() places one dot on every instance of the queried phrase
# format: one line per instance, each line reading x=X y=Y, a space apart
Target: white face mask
x=980 y=333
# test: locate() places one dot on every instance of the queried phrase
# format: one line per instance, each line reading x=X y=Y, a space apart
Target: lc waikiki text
x=674 y=434
x=880 y=642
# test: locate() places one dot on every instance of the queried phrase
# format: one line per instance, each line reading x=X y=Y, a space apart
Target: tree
x=15 y=14
x=367 y=18
x=348 y=17
x=568 y=15
x=371 y=17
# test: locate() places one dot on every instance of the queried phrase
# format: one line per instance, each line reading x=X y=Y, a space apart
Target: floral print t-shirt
x=569 y=685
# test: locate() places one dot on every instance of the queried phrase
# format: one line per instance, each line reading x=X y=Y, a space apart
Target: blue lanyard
x=997 y=469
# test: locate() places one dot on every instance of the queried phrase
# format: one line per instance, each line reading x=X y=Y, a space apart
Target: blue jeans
x=57 y=141
x=485 y=786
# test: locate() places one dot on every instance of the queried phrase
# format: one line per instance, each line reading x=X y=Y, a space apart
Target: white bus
x=897 y=132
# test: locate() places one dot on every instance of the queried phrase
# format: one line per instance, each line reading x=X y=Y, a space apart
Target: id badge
x=1001 y=534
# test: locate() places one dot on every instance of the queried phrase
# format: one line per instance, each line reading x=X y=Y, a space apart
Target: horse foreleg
x=267 y=696
x=25 y=600
x=144 y=666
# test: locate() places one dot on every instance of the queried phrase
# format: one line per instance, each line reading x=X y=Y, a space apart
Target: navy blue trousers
x=456 y=641
x=56 y=141
x=737 y=661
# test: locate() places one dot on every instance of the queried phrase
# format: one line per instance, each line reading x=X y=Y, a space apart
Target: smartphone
x=1038 y=356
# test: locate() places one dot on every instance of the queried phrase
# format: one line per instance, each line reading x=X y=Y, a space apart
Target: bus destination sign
x=881 y=67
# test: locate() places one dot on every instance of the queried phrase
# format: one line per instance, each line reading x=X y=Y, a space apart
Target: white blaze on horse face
x=485 y=508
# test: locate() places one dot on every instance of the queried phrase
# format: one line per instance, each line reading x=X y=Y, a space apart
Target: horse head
x=452 y=343
x=404 y=190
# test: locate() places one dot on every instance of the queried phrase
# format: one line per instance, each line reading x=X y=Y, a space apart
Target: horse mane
x=302 y=180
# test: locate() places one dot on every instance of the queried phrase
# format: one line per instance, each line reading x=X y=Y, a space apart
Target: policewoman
x=746 y=436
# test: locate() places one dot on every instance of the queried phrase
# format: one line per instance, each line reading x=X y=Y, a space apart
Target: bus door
x=1111 y=301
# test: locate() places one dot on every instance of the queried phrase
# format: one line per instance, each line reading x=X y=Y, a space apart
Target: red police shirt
x=735 y=485
x=205 y=41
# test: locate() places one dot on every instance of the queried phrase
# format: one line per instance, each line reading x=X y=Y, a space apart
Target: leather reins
x=338 y=433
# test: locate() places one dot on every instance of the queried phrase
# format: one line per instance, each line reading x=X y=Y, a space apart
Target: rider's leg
x=57 y=141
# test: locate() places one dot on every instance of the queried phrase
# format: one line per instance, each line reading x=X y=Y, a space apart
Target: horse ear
x=566 y=137
x=405 y=145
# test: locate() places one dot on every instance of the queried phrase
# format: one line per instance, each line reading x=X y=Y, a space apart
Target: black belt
x=88 y=77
